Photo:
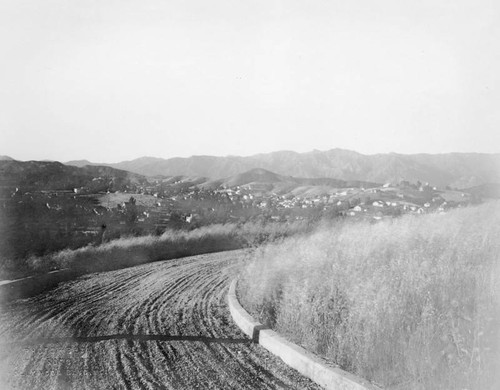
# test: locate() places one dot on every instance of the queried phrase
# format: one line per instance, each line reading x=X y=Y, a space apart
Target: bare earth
x=159 y=325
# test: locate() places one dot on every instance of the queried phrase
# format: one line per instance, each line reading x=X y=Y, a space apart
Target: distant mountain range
x=459 y=170
x=45 y=175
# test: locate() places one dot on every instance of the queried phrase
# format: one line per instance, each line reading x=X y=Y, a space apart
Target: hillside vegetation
x=172 y=244
x=409 y=303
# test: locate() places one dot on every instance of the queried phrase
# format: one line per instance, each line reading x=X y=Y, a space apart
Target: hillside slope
x=44 y=175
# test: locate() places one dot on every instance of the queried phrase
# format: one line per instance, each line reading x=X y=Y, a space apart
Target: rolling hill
x=271 y=181
x=460 y=170
x=44 y=175
x=485 y=191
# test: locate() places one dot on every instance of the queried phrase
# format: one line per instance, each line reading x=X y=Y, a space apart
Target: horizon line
x=8 y=157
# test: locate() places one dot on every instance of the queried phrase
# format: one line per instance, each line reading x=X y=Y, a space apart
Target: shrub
x=130 y=251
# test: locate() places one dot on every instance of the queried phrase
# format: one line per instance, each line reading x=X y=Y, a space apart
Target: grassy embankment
x=412 y=303
x=126 y=252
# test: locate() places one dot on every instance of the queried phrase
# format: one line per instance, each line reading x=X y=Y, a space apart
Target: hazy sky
x=115 y=80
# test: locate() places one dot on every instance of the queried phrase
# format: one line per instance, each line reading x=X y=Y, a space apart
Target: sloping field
x=159 y=325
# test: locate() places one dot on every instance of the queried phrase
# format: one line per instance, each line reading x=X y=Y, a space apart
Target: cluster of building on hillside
x=379 y=202
x=179 y=203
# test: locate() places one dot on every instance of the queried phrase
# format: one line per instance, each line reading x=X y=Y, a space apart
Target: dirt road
x=159 y=325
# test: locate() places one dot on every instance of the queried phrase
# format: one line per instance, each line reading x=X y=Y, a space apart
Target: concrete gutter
x=308 y=364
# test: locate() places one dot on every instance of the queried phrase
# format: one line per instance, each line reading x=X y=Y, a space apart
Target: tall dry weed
x=130 y=251
x=411 y=303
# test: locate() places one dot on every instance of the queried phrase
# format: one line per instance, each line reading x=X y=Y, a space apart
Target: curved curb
x=305 y=362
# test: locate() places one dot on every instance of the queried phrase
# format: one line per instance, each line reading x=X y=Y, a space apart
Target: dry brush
x=412 y=303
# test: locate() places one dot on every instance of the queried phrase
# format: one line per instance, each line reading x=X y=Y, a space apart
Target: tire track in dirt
x=154 y=326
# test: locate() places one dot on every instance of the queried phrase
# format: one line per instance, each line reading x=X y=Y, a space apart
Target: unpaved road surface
x=155 y=326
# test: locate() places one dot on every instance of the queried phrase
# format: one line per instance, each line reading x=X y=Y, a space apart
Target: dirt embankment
x=159 y=325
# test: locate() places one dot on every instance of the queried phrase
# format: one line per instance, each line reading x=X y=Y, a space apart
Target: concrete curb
x=308 y=364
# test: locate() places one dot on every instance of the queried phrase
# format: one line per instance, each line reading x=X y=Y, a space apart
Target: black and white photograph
x=229 y=194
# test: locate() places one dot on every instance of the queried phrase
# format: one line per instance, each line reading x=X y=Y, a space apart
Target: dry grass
x=126 y=252
x=412 y=303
